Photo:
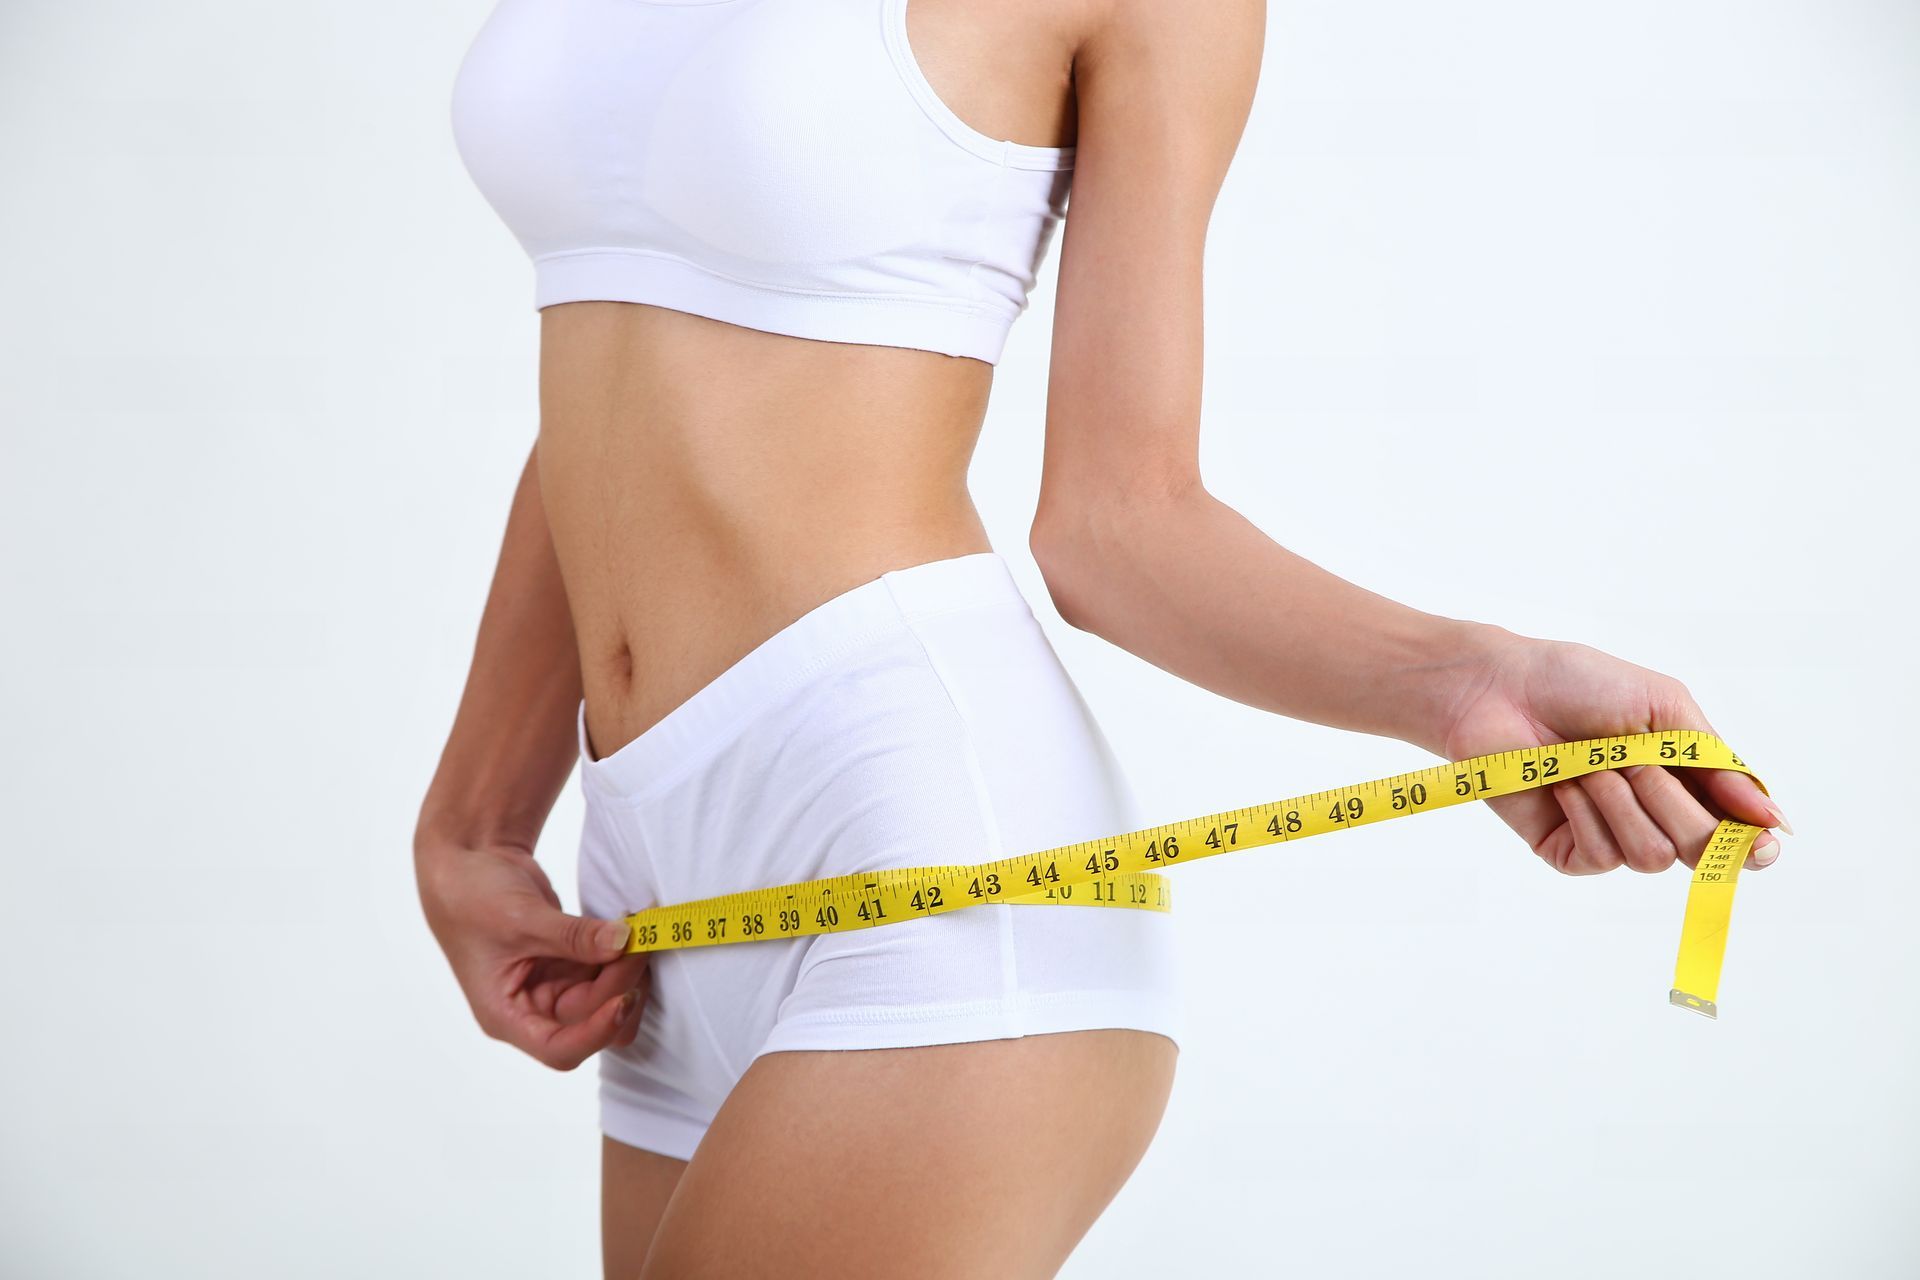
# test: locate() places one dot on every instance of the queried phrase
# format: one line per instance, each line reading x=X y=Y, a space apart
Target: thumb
x=1739 y=795
x=582 y=938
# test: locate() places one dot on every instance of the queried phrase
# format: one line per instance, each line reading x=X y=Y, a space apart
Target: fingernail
x=1779 y=818
x=627 y=1002
x=615 y=934
x=1764 y=854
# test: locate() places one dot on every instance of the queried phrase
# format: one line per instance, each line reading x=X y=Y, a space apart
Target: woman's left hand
x=1529 y=692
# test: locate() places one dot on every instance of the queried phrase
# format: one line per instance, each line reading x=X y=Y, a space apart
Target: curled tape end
x=1695 y=1003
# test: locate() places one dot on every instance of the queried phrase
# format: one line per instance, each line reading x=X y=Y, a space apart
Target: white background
x=1595 y=320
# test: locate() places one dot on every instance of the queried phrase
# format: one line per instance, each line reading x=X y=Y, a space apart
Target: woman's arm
x=514 y=740
x=547 y=982
x=1133 y=547
x=1188 y=583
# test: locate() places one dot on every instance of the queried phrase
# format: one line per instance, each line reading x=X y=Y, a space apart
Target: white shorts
x=920 y=718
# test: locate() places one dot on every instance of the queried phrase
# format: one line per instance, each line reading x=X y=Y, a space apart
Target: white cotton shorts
x=920 y=718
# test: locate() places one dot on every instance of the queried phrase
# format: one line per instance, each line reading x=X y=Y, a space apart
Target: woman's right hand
x=1528 y=692
x=560 y=987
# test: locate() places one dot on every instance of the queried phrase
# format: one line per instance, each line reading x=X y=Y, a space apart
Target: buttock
x=920 y=718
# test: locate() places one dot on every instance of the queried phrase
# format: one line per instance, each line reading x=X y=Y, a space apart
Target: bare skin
x=965 y=1198
x=696 y=486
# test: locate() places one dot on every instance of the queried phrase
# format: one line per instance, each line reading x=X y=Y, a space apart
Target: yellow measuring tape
x=1121 y=870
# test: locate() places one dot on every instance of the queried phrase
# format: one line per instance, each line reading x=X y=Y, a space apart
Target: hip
x=920 y=718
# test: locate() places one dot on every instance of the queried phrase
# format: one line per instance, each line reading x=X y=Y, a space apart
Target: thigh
x=635 y=1186
x=982 y=1158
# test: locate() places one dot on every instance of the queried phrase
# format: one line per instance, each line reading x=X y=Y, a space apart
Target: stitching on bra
x=912 y=299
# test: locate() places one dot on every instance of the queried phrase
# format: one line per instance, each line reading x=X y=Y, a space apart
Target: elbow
x=1084 y=545
x=1053 y=544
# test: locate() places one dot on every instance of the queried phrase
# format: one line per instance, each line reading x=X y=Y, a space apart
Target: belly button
x=621 y=668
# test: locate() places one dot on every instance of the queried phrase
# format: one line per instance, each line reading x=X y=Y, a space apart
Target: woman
x=778 y=245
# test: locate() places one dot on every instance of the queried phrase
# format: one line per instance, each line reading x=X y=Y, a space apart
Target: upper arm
x=1163 y=92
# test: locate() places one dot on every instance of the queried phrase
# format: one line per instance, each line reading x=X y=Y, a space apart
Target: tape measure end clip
x=1695 y=1003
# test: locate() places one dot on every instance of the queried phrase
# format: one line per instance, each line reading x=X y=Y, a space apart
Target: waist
x=668 y=625
x=706 y=484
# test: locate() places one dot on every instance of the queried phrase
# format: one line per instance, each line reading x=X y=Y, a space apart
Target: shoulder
x=1224 y=37
x=1203 y=55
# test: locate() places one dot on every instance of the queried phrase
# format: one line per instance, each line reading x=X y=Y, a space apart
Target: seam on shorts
x=1040 y=1001
x=983 y=802
x=693 y=995
x=627 y=852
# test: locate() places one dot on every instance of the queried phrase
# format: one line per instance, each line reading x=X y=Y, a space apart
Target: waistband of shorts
x=829 y=631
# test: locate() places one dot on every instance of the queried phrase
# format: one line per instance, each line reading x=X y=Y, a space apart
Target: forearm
x=1189 y=584
x=513 y=742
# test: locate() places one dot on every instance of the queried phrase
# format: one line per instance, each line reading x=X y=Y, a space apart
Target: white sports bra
x=778 y=164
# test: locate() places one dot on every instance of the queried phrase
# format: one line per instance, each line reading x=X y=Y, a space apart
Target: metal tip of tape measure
x=1695 y=1003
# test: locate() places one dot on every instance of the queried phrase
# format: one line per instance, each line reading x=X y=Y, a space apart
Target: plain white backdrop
x=1599 y=321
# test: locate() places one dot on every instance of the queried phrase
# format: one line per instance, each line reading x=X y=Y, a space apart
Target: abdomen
x=707 y=483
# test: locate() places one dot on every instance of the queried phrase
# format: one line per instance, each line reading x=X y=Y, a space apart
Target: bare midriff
x=707 y=484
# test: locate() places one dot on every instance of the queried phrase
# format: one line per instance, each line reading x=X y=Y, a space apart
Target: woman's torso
x=707 y=483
